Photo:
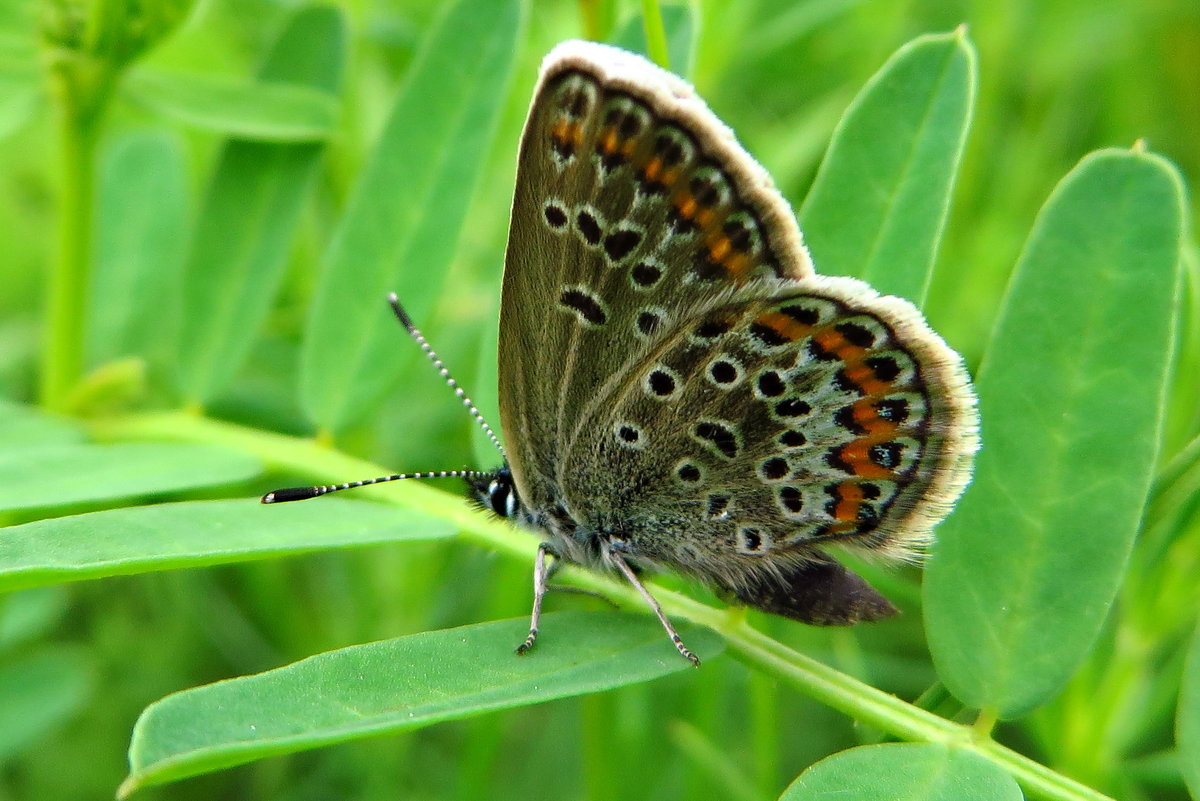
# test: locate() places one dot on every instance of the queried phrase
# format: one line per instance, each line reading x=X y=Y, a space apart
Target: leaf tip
x=128 y=787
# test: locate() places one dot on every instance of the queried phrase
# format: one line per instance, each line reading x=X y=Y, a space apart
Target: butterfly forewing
x=633 y=204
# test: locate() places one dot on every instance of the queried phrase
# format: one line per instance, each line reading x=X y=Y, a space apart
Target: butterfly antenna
x=304 y=493
x=416 y=334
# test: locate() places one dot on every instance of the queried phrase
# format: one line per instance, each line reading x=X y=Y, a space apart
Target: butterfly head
x=496 y=492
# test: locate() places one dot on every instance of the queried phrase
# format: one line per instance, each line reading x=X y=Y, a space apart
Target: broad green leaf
x=403 y=222
x=268 y=111
x=141 y=234
x=21 y=426
x=170 y=536
x=904 y=772
x=38 y=691
x=38 y=477
x=879 y=201
x=1070 y=392
x=680 y=24
x=1187 y=723
x=250 y=213
x=396 y=685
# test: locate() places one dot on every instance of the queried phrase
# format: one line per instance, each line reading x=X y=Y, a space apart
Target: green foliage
x=251 y=207
x=1071 y=393
x=878 y=204
x=386 y=687
x=908 y=772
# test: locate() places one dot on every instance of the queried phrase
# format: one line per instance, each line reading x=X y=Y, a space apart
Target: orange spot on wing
x=850 y=497
x=609 y=142
x=856 y=455
x=863 y=377
x=832 y=341
x=686 y=206
x=738 y=264
x=787 y=327
x=866 y=416
x=718 y=248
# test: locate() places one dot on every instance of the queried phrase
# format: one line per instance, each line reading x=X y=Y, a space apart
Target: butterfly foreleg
x=615 y=552
x=541 y=576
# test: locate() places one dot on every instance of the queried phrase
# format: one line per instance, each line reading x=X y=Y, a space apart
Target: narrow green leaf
x=1187 y=723
x=22 y=426
x=38 y=691
x=141 y=234
x=250 y=214
x=904 y=772
x=402 y=226
x=39 y=477
x=396 y=685
x=171 y=536
x=880 y=198
x=267 y=111
x=679 y=21
x=1071 y=392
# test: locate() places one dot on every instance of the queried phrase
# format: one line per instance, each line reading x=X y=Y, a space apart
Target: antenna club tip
x=268 y=498
x=401 y=314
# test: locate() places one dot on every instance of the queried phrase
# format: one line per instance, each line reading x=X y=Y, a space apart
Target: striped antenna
x=304 y=493
x=416 y=334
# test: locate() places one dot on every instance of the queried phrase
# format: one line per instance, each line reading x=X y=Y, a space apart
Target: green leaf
x=171 y=536
x=141 y=233
x=22 y=425
x=402 y=226
x=250 y=214
x=904 y=772
x=28 y=615
x=1187 y=724
x=878 y=204
x=1071 y=391
x=39 y=477
x=18 y=100
x=266 y=110
x=397 y=685
x=38 y=691
x=680 y=24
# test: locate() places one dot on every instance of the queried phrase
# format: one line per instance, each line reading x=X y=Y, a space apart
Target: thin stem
x=80 y=87
x=755 y=649
x=62 y=352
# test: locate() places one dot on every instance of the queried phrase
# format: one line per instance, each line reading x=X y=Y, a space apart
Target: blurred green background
x=1058 y=78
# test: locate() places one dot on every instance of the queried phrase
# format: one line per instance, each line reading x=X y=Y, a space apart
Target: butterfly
x=678 y=388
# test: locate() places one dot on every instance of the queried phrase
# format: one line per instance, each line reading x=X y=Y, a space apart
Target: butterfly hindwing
x=765 y=429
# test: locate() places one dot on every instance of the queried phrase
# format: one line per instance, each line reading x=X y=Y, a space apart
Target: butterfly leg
x=614 y=552
x=540 y=575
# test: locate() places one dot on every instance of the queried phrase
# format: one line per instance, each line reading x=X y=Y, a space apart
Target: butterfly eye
x=502 y=499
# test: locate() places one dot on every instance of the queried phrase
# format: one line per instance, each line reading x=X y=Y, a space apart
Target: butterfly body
x=678 y=387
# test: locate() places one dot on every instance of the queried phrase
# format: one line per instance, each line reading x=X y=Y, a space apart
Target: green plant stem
x=656 y=34
x=80 y=87
x=842 y=692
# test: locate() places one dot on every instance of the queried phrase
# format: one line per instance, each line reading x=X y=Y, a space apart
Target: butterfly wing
x=633 y=204
x=826 y=415
x=674 y=376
